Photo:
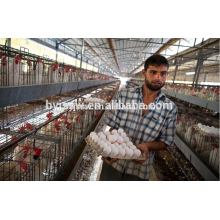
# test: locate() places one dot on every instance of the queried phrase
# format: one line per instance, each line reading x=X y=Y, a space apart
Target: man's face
x=155 y=77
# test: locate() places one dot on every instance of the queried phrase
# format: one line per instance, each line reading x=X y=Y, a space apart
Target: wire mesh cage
x=36 y=140
x=23 y=68
x=190 y=127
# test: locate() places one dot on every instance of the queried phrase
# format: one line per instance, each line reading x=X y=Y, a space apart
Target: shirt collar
x=160 y=95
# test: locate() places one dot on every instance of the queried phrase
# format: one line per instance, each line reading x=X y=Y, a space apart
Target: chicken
x=66 y=74
x=53 y=73
x=60 y=74
x=27 y=157
x=39 y=72
x=188 y=134
x=214 y=158
x=16 y=76
x=3 y=70
x=30 y=73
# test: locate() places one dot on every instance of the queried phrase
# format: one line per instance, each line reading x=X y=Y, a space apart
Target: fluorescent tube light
x=190 y=73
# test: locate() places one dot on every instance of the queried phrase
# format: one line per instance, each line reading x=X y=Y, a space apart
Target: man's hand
x=144 y=150
x=109 y=159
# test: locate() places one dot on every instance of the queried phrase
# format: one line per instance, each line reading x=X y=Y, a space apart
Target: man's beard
x=152 y=87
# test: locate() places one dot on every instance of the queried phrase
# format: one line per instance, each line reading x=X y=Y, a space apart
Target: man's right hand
x=109 y=159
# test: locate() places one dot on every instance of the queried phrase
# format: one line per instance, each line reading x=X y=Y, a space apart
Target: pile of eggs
x=114 y=144
x=207 y=130
x=94 y=100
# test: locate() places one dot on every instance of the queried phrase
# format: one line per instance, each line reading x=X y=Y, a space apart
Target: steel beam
x=8 y=42
x=198 y=67
x=82 y=51
x=99 y=62
x=164 y=47
x=168 y=44
x=65 y=40
x=12 y=95
x=203 y=46
x=54 y=48
x=57 y=48
x=174 y=77
x=111 y=46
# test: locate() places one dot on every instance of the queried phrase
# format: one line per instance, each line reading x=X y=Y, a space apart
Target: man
x=150 y=129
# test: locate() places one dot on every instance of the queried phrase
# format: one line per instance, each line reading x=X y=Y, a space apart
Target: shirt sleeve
x=167 y=133
x=112 y=119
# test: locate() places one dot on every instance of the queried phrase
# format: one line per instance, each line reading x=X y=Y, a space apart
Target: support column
x=205 y=78
x=82 y=52
x=174 y=77
x=57 y=47
x=198 y=67
x=105 y=69
x=8 y=42
x=99 y=62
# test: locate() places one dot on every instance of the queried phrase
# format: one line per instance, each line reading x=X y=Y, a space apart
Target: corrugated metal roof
x=130 y=52
x=125 y=55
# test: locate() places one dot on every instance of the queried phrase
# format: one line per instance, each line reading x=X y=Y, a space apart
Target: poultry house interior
x=42 y=138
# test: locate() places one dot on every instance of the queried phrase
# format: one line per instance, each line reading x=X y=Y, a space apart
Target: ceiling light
x=190 y=73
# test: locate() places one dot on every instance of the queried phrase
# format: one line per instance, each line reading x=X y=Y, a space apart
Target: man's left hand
x=144 y=150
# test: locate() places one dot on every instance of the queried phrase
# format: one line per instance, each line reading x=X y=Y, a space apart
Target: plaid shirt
x=155 y=125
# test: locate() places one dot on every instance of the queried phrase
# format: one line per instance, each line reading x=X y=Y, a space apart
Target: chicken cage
x=201 y=132
x=35 y=141
x=204 y=92
x=21 y=68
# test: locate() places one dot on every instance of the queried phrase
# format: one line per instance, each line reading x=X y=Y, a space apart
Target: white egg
x=121 y=153
x=108 y=143
x=123 y=145
x=126 y=139
x=129 y=143
x=129 y=152
x=107 y=133
x=119 y=146
x=123 y=135
x=103 y=137
x=114 y=131
x=106 y=151
x=137 y=153
x=112 y=145
x=92 y=134
x=102 y=142
x=94 y=137
x=117 y=134
x=100 y=133
x=114 y=152
x=103 y=145
x=116 y=144
x=112 y=138
x=126 y=148
x=120 y=130
x=120 y=139
x=132 y=147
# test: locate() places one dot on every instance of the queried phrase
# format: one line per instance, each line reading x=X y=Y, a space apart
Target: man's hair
x=156 y=60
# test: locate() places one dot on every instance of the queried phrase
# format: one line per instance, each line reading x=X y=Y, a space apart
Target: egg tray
x=101 y=152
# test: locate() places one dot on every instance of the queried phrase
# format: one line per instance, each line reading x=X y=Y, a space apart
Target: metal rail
x=196 y=159
x=214 y=106
x=86 y=147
